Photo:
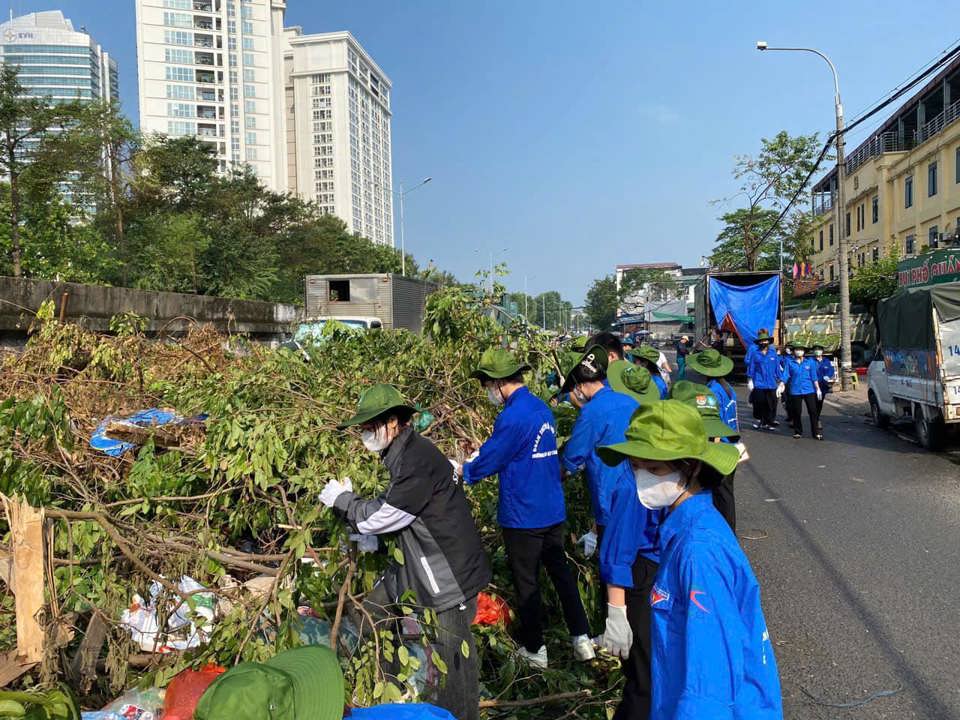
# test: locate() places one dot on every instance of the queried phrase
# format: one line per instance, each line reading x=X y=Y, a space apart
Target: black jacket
x=444 y=561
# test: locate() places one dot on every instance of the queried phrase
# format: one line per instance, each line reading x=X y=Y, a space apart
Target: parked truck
x=382 y=299
x=738 y=304
x=917 y=377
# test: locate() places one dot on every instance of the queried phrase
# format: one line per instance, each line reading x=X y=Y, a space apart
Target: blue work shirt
x=727 y=402
x=523 y=451
x=660 y=383
x=711 y=655
x=825 y=370
x=631 y=530
x=764 y=370
x=800 y=376
x=602 y=421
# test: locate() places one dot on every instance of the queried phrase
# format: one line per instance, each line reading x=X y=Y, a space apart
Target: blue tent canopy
x=748 y=307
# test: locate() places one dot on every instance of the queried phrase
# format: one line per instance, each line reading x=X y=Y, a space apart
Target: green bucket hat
x=496 y=364
x=375 y=401
x=593 y=359
x=646 y=352
x=300 y=684
x=670 y=430
x=763 y=336
x=711 y=363
x=633 y=380
x=702 y=399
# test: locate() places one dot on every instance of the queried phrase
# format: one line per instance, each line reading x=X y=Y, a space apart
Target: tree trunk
x=15 y=253
x=118 y=213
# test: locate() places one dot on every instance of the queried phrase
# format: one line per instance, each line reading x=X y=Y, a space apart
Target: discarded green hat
x=670 y=430
x=632 y=380
x=702 y=399
x=496 y=364
x=594 y=360
x=710 y=362
x=375 y=401
x=646 y=352
x=763 y=336
x=300 y=684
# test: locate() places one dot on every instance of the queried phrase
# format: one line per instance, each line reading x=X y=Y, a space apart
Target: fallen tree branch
x=542 y=700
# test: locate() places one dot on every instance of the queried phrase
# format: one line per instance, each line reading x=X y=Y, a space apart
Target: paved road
x=858 y=554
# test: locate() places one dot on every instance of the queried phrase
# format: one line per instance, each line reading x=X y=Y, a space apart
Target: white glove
x=617 y=637
x=744 y=455
x=780 y=388
x=750 y=384
x=334 y=489
x=366 y=543
x=589 y=542
x=819 y=394
x=457 y=467
x=473 y=456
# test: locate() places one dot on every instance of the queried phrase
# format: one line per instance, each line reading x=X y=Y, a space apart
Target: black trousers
x=820 y=411
x=810 y=400
x=635 y=704
x=788 y=407
x=723 y=500
x=527 y=550
x=764 y=405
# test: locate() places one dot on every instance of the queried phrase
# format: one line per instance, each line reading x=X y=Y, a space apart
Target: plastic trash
x=184 y=691
x=191 y=626
x=151 y=417
x=491 y=610
x=135 y=704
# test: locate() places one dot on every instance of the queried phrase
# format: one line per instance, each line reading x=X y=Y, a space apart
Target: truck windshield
x=314 y=330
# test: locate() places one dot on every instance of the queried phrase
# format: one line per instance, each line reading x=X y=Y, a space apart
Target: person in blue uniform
x=523 y=452
x=764 y=382
x=826 y=377
x=787 y=404
x=647 y=356
x=715 y=368
x=803 y=386
x=712 y=656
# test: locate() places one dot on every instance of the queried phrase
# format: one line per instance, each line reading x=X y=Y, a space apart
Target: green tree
x=25 y=123
x=874 y=282
x=167 y=252
x=601 y=302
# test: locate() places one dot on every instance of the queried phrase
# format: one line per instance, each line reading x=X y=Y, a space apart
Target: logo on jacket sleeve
x=545 y=438
x=658 y=595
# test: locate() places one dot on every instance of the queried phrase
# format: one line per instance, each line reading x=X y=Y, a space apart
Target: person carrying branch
x=425 y=508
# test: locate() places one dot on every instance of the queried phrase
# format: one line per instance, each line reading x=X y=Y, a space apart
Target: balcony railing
x=822 y=203
x=204 y=41
x=938 y=122
x=877 y=145
x=203 y=6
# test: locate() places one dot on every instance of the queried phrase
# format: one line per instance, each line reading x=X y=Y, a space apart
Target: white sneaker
x=537 y=659
x=583 y=648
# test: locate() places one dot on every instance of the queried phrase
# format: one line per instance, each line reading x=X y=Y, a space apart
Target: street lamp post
x=403 y=246
x=846 y=360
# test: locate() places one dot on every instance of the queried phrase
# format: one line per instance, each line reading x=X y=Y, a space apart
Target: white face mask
x=798 y=353
x=581 y=398
x=494 y=396
x=375 y=440
x=658 y=491
x=819 y=353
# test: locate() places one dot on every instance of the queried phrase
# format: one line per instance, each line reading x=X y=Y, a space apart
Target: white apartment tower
x=211 y=69
x=338 y=130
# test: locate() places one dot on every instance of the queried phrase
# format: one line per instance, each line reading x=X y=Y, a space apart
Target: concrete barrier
x=94 y=305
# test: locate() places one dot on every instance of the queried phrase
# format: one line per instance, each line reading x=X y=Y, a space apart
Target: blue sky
x=567 y=137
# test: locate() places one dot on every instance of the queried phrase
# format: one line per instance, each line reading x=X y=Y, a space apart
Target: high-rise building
x=338 y=138
x=211 y=69
x=56 y=61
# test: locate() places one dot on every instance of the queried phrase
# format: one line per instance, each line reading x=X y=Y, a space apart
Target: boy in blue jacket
x=764 y=382
x=826 y=375
x=803 y=387
x=712 y=654
x=522 y=451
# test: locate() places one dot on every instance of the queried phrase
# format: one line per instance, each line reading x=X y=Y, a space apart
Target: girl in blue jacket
x=803 y=388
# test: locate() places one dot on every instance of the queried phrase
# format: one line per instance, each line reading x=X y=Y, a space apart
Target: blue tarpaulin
x=749 y=307
x=417 y=711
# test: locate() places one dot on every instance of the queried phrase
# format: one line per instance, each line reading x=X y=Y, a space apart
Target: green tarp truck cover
x=906 y=317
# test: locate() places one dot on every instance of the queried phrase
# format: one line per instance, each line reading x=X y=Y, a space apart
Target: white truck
x=917 y=374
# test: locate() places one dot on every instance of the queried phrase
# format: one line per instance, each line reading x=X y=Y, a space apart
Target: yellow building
x=902 y=185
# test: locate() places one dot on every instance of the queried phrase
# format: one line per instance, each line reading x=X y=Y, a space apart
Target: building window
x=248 y=43
x=251 y=138
x=177 y=19
x=178 y=127
x=249 y=91
x=831 y=234
x=831 y=273
x=847 y=225
x=178 y=4
x=250 y=106
x=908 y=245
x=875 y=255
x=821 y=241
x=177 y=37
x=249 y=75
x=875 y=210
x=250 y=122
x=183 y=57
x=908 y=191
x=931 y=179
x=933 y=236
x=180 y=92
x=246 y=27
x=251 y=154
x=248 y=59
x=181 y=110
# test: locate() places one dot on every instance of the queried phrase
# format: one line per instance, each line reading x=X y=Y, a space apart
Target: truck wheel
x=879 y=419
x=929 y=432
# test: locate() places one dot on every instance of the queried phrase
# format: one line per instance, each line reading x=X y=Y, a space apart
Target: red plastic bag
x=184 y=691
x=491 y=610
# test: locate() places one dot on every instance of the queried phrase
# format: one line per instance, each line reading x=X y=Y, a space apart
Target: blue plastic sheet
x=143 y=418
x=417 y=711
x=749 y=307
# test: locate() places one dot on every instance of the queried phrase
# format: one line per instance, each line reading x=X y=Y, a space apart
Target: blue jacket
x=711 y=655
x=602 y=421
x=662 y=384
x=764 y=370
x=727 y=402
x=630 y=530
x=523 y=451
x=825 y=370
x=800 y=376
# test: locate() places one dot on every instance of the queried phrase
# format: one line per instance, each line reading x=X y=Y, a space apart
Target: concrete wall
x=94 y=305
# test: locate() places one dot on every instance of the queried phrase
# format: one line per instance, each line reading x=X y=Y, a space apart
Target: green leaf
x=439 y=663
x=398 y=555
x=465 y=649
x=403 y=655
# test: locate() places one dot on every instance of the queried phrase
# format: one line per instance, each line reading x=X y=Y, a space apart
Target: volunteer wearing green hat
x=424 y=507
x=522 y=452
x=703 y=400
x=647 y=356
x=764 y=381
x=301 y=684
x=715 y=367
x=712 y=655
